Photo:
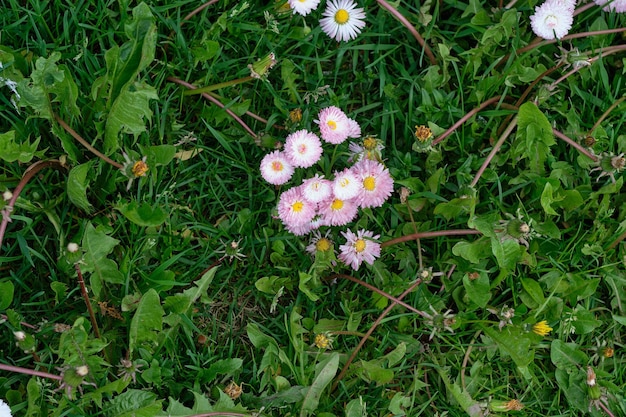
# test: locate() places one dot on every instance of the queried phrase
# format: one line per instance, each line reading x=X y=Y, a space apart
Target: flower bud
x=82 y=370
x=7 y=195
x=19 y=336
x=72 y=247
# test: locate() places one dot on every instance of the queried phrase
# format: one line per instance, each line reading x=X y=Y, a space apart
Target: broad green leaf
x=143 y=214
x=97 y=246
x=325 y=371
x=6 y=294
x=49 y=83
x=134 y=403
x=573 y=384
x=513 y=342
x=533 y=290
x=222 y=366
x=308 y=284
x=373 y=371
x=570 y=199
x=507 y=253
x=567 y=355
x=271 y=285
x=11 y=151
x=585 y=321
x=547 y=198
x=205 y=50
x=620 y=319
x=290 y=77
x=461 y=396
x=478 y=289
x=472 y=251
x=114 y=387
x=33 y=393
x=129 y=114
x=60 y=291
x=534 y=137
x=77 y=183
x=356 y=408
x=146 y=323
x=399 y=404
x=159 y=154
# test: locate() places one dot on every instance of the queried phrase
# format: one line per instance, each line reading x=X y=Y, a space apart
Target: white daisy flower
x=346 y=185
x=552 y=19
x=343 y=21
x=303 y=7
x=618 y=6
x=5 y=410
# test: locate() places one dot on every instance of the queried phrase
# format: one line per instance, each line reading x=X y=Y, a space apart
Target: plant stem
x=198 y=10
x=83 y=290
x=217 y=103
x=575 y=144
x=30 y=172
x=424 y=235
x=411 y=28
x=606 y=113
x=465 y=118
x=86 y=144
x=369 y=333
x=379 y=291
x=494 y=150
x=214 y=87
x=27 y=371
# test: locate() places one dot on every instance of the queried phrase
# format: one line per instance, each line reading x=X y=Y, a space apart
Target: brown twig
x=425 y=235
x=86 y=144
x=369 y=333
x=411 y=28
x=216 y=102
x=28 y=175
x=606 y=113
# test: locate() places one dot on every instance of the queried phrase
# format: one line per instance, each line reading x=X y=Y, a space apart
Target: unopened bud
x=19 y=336
x=261 y=67
x=72 y=247
x=7 y=195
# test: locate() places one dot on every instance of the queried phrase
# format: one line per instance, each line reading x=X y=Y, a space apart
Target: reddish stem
x=86 y=144
x=424 y=235
x=27 y=371
x=465 y=118
x=369 y=333
x=216 y=102
x=494 y=150
x=83 y=290
x=411 y=28
x=575 y=144
x=379 y=291
x=28 y=175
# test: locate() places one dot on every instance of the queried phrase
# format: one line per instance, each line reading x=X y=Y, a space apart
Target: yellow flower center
x=140 y=168
x=337 y=204
x=359 y=245
x=277 y=166
x=323 y=245
x=297 y=206
x=342 y=16
x=332 y=124
x=423 y=133
x=369 y=183
x=369 y=143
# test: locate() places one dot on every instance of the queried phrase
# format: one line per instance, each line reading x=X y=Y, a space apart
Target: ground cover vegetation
x=244 y=208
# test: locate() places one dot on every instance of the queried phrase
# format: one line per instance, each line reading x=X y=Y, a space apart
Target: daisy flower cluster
x=331 y=202
x=554 y=18
x=342 y=20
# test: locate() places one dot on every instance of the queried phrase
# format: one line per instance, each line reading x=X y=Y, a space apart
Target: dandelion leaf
x=534 y=137
x=146 y=323
x=11 y=151
x=98 y=246
x=325 y=371
x=77 y=183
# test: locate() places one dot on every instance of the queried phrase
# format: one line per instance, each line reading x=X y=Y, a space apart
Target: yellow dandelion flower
x=140 y=168
x=322 y=341
x=423 y=133
x=542 y=328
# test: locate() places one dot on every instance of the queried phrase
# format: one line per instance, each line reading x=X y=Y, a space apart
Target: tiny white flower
x=553 y=19
x=72 y=247
x=5 y=410
x=7 y=195
x=303 y=7
x=82 y=370
x=19 y=336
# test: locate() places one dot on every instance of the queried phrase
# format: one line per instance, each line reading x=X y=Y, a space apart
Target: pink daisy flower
x=276 y=168
x=334 y=125
x=320 y=243
x=346 y=185
x=294 y=210
x=354 y=129
x=552 y=19
x=377 y=184
x=338 y=212
x=359 y=248
x=303 y=148
x=317 y=189
x=618 y=6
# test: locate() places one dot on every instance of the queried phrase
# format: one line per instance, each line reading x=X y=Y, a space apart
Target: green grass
x=259 y=335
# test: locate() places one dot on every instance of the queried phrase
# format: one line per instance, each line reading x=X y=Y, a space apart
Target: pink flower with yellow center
x=294 y=210
x=335 y=126
x=338 y=212
x=377 y=184
x=303 y=148
x=276 y=168
x=359 y=248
